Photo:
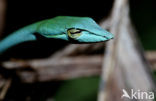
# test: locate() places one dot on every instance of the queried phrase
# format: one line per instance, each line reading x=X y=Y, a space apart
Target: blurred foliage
x=85 y=89
x=144 y=18
x=81 y=89
x=154 y=74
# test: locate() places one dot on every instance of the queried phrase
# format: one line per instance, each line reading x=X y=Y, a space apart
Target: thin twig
x=60 y=69
x=2 y=15
x=5 y=89
x=124 y=65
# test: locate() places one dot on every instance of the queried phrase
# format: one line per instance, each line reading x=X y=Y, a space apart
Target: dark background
x=23 y=12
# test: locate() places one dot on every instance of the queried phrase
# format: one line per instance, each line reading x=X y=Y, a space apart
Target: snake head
x=79 y=29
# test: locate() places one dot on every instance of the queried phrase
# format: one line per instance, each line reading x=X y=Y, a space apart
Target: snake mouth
x=107 y=37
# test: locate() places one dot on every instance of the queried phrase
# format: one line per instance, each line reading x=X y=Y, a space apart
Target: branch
x=5 y=88
x=151 y=56
x=124 y=65
x=57 y=69
x=2 y=15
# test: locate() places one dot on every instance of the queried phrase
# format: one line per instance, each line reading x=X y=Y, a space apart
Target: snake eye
x=74 y=33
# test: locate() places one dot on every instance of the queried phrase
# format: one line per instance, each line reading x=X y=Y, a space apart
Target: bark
x=124 y=65
x=2 y=15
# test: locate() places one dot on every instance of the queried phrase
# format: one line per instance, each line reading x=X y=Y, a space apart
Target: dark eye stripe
x=75 y=32
x=74 y=28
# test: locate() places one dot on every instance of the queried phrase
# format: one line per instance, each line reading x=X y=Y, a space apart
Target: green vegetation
x=81 y=89
x=143 y=16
